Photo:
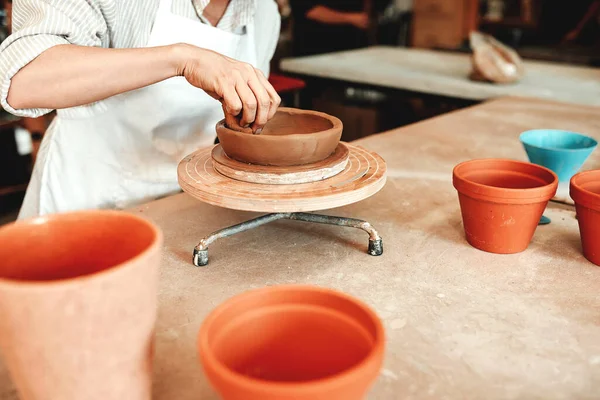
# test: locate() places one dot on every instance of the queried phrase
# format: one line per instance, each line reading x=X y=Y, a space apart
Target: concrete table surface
x=460 y=323
x=446 y=74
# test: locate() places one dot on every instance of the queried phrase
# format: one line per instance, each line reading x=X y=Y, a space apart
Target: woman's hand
x=94 y=74
x=571 y=36
x=326 y=15
x=242 y=89
x=359 y=20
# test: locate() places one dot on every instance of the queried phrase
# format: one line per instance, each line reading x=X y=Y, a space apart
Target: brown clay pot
x=292 y=343
x=291 y=137
x=502 y=201
x=585 y=191
x=78 y=305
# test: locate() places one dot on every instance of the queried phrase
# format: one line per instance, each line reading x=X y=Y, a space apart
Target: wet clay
x=233 y=122
x=292 y=137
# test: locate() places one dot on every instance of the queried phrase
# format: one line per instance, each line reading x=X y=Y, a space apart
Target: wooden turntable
x=273 y=175
x=349 y=175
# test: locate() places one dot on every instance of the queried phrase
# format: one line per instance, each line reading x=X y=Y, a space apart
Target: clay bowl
x=585 y=191
x=501 y=202
x=291 y=137
x=292 y=343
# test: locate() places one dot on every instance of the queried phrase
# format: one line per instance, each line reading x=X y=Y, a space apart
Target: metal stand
x=375 y=241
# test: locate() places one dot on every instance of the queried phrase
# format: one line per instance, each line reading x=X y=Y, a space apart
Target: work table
x=460 y=323
x=446 y=74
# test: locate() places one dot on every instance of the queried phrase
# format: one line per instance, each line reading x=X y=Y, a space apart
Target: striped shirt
x=238 y=14
x=41 y=24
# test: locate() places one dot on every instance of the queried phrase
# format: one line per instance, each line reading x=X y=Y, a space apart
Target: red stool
x=283 y=84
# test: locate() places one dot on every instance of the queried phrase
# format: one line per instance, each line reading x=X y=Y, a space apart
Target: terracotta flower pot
x=292 y=342
x=502 y=201
x=291 y=137
x=78 y=305
x=585 y=191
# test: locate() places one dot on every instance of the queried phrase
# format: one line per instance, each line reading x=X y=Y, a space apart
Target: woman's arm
x=69 y=75
x=591 y=12
x=327 y=15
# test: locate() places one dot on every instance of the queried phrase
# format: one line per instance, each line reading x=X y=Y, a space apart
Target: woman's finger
x=263 y=103
x=275 y=99
x=249 y=103
x=231 y=101
x=233 y=122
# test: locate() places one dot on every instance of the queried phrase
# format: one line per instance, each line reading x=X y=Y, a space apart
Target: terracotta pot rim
x=273 y=386
x=491 y=193
x=581 y=195
x=593 y=145
x=60 y=284
x=336 y=122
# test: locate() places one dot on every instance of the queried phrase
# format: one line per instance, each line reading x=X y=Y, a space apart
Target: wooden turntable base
x=363 y=176
x=273 y=175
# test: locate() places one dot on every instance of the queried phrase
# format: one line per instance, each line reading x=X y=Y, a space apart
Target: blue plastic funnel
x=561 y=151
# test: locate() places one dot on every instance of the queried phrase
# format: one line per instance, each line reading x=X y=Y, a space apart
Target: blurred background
x=555 y=31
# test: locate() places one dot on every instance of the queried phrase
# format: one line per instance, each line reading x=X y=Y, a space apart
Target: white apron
x=128 y=154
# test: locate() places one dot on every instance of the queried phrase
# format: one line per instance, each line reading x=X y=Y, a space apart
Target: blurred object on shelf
x=495 y=10
x=443 y=24
x=517 y=19
x=522 y=14
x=284 y=8
x=527 y=11
x=393 y=24
x=493 y=61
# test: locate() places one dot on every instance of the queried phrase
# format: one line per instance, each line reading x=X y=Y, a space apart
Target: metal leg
x=375 y=241
x=201 y=250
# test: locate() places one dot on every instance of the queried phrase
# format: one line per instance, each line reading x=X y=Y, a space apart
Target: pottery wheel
x=363 y=176
x=272 y=175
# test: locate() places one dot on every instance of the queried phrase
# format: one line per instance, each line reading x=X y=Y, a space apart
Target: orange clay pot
x=585 y=191
x=78 y=305
x=502 y=201
x=292 y=343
